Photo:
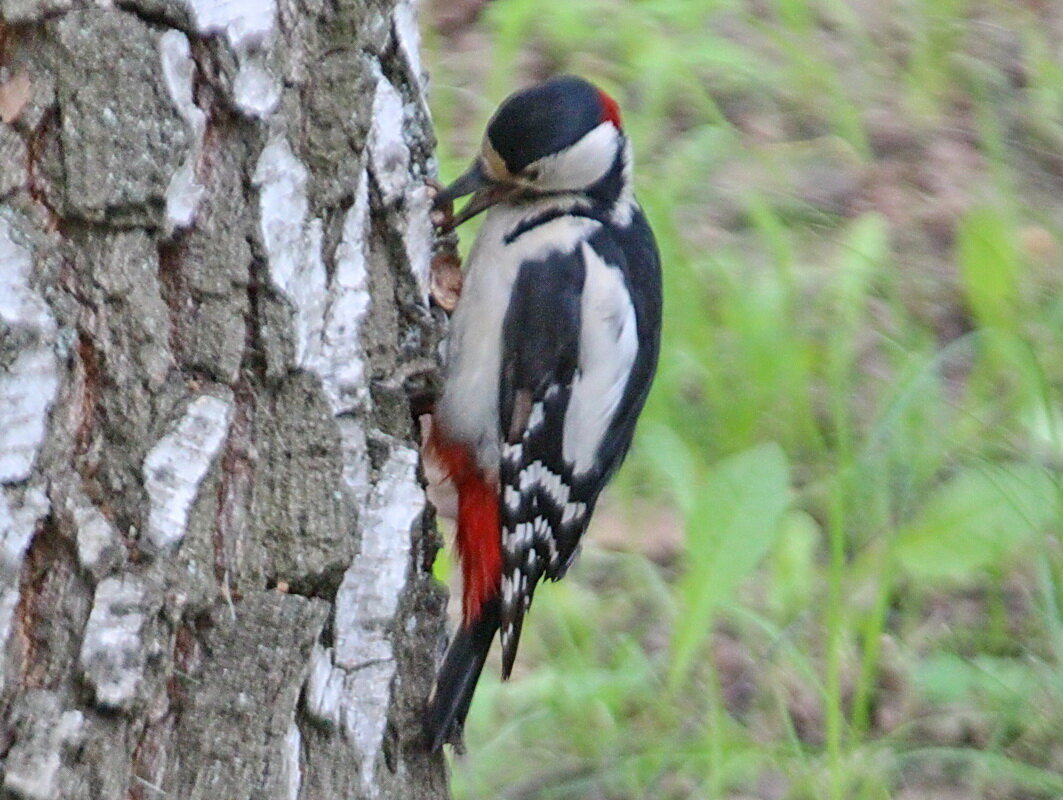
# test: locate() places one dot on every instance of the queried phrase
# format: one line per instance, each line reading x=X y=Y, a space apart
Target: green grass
x=857 y=419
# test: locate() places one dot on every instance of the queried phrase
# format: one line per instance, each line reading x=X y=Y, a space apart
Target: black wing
x=540 y=352
x=546 y=500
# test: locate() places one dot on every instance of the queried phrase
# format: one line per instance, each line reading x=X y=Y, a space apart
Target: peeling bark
x=214 y=544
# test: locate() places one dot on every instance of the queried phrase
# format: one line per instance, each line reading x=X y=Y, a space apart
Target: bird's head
x=557 y=137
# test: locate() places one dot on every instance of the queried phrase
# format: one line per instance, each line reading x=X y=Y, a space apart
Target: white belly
x=468 y=409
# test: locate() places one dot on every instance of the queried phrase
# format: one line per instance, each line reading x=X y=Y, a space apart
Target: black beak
x=485 y=193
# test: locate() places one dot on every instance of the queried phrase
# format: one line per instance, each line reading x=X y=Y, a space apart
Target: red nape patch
x=610 y=109
x=479 y=536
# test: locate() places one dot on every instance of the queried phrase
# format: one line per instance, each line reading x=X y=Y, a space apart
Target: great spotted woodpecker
x=550 y=355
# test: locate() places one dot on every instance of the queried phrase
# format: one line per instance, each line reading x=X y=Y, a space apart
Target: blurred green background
x=831 y=567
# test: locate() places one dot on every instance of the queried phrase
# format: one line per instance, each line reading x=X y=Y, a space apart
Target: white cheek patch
x=581 y=165
x=608 y=345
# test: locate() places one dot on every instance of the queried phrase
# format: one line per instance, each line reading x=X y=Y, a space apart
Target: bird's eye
x=530 y=174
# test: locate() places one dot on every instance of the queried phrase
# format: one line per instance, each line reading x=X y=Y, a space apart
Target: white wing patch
x=538 y=476
x=574 y=512
x=608 y=344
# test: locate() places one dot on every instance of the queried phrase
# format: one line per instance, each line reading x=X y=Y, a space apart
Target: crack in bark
x=158 y=18
x=38 y=187
x=235 y=488
x=173 y=286
x=88 y=378
x=49 y=563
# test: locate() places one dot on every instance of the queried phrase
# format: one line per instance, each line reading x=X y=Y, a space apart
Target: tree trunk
x=214 y=549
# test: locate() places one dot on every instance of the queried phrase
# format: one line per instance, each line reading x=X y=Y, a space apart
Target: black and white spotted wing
x=569 y=345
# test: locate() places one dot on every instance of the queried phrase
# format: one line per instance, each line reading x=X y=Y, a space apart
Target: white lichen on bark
x=293 y=244
x=34 y=765
x=244 y=22
x=350 y=684
x=29 y=381
x=368 y=599
x=17 y=523
x=341 y=365
x=369 y=595
x=354 y=691
x=324 y=686
x=342 y=360
x=112 y=651
x=256 y=90
x=98 y=543
x=389 y=155
x=176 y=466
x=409 y=36
x=389 y=160
x=327 y=314
x=419 y=236
x=293 y=774
x=250 y=26
x=184 y=192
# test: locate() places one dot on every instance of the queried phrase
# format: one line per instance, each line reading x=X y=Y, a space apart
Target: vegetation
x=832 y=566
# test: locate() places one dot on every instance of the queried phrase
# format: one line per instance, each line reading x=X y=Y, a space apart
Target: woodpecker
x=550 y=355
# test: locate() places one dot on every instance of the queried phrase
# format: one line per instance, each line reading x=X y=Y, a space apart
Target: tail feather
x=480 y=548
x=459 y=674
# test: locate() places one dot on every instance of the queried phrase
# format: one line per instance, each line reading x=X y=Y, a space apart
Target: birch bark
x=214 y=549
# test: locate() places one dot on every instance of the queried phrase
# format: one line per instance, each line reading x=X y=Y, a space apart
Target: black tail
x=458 y=676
